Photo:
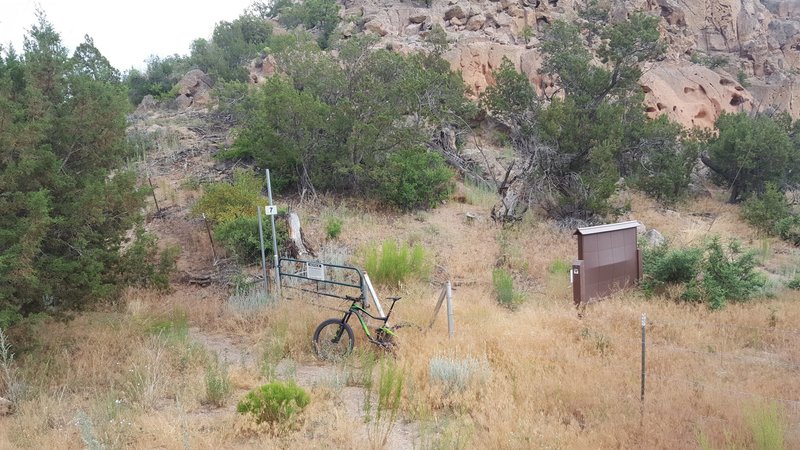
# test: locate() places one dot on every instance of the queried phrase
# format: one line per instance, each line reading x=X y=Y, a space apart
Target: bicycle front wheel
x=333 y=340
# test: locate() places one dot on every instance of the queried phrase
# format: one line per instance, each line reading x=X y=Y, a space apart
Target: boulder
x=148 y=103
x=194 y=89
x=476 y=22
x=654 y=238
x=377 y=26
x=456 y=12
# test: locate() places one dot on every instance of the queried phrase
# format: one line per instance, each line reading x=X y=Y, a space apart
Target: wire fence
x=706 y=374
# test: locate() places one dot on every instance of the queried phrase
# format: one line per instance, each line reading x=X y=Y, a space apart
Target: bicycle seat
x=394 y=299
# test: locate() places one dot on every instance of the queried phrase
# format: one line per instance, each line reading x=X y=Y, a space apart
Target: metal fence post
x=263 y=254
x=641 y=398
x=451 y=327
x=274 y=239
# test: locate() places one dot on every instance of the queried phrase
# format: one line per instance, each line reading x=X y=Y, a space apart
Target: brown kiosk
x=608 y=260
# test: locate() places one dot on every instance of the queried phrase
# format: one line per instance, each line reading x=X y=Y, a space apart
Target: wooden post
x=210 y=238
x=153 y=191
x=438 y=307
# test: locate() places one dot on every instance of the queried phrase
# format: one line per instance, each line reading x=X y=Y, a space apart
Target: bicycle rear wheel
x=333 y=340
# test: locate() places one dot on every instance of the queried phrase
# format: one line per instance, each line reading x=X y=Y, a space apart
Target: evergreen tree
x=65 y=203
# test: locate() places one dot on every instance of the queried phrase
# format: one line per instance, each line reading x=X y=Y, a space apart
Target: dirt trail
x=235 y=353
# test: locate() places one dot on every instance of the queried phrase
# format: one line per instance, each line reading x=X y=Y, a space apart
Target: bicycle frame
x=356 y=309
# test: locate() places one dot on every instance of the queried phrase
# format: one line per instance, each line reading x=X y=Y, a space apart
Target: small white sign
x=315 y=271
x=271 y=210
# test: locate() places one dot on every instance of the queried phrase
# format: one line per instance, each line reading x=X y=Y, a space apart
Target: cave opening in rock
x=737 y=100
x=553 y=2
x=541 y=21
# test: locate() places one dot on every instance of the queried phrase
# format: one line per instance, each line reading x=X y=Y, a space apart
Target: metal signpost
x=263 y=255
x=272 y=210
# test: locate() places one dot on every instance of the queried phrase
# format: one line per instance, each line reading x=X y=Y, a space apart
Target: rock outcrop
x=754 y=42
x=194 y=90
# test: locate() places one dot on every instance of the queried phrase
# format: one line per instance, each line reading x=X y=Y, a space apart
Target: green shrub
x=504 y=289
x=764 y=211
x=333 y=227
x=218 y=385
x=414 y=178
x=395 y=262
x=712 y=275
x=274 y=402
x=794 y=283
x=386 y=401
x=144 y=265
x=767 y=426
x=664 y=266
x=788 y=229
x=223 y=202
x=241 y=237
x=322 y=15
x=559 y=266
x=729 y=275
x=172 y=327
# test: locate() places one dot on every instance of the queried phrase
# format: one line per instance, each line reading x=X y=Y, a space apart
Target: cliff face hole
x=651 y=109
x=541 y=21
x=702 y=114
x=646 y=89
x=552 y=2
x=688 y=90
x=737 y=100
x=725 y=82
x=661 y=106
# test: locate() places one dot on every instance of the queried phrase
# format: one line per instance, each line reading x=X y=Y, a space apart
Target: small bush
x=729 y=275
x=794 y=283
x=767 y=426
x=395 y=262
x=333 y=227
x=241 y=237
x=664 y=266
x=559 y=266
x=764 y=211
x=274 y=402
x=144 y=265
x=414 y=178
x=248 y=298
x=712 y=275
x=454 y=374
x=218 y=385
x=504 y=289
x=788 y=229
x=223 y=202
x=386 y=401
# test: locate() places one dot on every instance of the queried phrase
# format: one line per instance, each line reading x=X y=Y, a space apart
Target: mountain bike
x=334 y=339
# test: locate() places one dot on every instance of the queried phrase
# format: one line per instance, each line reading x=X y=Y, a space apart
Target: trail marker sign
x=315 y=270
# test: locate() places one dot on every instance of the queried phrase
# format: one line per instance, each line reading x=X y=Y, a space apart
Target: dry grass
x=548 y=379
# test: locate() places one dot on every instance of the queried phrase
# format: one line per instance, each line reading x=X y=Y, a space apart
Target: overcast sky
x=126 y=33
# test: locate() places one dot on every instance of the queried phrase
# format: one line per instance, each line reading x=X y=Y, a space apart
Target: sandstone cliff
x=753 y=42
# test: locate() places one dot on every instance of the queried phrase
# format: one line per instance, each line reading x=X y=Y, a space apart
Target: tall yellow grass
x=551 y=378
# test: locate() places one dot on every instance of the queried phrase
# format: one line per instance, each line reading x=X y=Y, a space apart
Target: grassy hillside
x=141 y=373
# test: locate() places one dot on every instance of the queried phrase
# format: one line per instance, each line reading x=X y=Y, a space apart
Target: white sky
x=125 y=32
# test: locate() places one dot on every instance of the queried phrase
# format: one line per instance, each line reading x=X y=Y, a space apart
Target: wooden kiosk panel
x=608 y=260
